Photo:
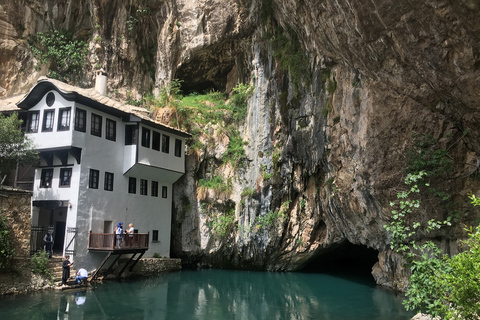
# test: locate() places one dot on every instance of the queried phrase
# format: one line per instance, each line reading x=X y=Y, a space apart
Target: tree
x=15 y=148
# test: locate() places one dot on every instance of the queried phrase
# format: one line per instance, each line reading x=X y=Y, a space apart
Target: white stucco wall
x=91 y=208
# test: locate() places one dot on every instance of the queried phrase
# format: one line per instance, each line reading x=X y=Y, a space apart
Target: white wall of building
x=92 y=209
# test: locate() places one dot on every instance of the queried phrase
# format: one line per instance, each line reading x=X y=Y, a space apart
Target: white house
x=103 y=162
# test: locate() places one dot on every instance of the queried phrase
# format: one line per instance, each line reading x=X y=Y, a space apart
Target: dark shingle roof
x=88 y=97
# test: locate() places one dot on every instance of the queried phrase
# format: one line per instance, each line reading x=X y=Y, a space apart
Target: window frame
x=154 y=189
x=132 y=185
x=131 y=134
x=46 y=178
x=154 y=235
x=93 y=179
x=164 y=192
x=50 y=99
x=144 y=187
x=146 y=134
x=51 y=123
x=80 y=122
x=165 y=143
x=61 y=113
x=62 y=183
x=96 y=126
x=178 y=148
x=36 y=122
x=108 y=181
x=156 y=140
x=110 y=129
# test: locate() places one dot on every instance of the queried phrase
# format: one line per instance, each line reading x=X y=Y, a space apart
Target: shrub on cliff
x=63 y=54
x=441 y=285
x=6 y=244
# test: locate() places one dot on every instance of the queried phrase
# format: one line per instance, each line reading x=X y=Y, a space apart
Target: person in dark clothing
x=66 y=270
x=48 y=240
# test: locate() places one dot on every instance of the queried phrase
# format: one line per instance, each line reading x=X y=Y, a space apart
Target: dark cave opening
x=200 y=87
x=345 y=259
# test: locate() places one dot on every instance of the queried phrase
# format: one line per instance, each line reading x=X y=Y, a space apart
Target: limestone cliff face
x=326 y=148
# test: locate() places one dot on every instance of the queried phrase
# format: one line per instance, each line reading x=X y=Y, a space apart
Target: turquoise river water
x=215 y=295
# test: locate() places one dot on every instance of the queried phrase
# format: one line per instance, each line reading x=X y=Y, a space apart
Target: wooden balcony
x=124 y=243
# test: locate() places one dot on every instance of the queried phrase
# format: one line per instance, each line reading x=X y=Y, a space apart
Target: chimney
x=101 y=82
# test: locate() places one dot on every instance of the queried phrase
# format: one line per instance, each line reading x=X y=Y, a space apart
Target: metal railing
x=111 y=241
x=36 y=238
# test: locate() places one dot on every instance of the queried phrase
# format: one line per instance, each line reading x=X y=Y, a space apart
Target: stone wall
x=15 y=204
x=153 y=266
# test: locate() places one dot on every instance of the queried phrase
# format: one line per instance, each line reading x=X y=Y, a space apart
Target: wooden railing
x=111 y=241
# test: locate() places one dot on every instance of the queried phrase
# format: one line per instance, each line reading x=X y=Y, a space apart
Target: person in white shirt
x=130 y=231
x=81 y=276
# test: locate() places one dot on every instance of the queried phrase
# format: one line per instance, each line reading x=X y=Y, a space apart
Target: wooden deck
x=125 y=243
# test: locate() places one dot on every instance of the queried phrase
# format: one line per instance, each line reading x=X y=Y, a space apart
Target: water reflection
x=215 y=294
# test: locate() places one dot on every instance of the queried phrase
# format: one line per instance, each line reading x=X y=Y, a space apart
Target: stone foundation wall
x=16 y=206
x=153 y=266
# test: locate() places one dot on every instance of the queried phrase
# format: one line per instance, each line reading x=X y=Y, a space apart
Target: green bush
x=235 y=153
x=462 y=281
x=267 y=221
x=216 y=183
x=63 y=54
x=248 y=192
x=7 y=250
x=39 y=263
x=223 y=224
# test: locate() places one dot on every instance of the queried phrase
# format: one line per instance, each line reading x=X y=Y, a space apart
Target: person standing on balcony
x=130 y=232
x=119 y=233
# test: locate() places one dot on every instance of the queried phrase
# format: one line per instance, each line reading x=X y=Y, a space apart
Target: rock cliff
x=329 y=121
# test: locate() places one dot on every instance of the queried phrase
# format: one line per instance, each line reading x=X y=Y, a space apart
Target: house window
x=155 y=236
x=46 y=178
x=178 y=147
x=111 y=130
x=48 y=118
x=164 y=192
x=32 y=121
x=130 y=134
x=156 y=140
x=165 y=143
x=154 y=189
x=50 y=99
x=93 y=179
x=96 y=129
x=80 y=120
x=132 y=185
x=65 y=177
x=143 y=187
x=108 y=181
x=64 y=119
x=145 y=137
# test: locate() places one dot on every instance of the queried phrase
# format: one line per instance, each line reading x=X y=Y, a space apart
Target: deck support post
x=94 y=275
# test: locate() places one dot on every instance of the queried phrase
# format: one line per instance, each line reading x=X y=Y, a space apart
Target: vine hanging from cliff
x=290 y=55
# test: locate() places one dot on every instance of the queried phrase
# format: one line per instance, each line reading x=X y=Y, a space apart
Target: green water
x=215 y=295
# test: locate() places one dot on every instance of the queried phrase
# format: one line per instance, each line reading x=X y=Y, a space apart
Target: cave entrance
x=345 y=259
